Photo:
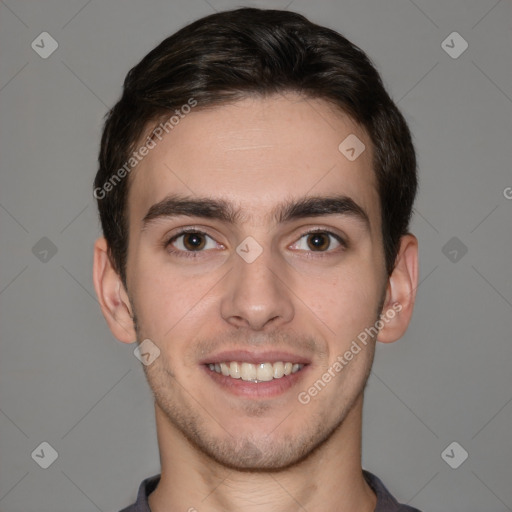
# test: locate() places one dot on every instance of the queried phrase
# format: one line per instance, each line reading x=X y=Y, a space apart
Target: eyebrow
x=222 y=210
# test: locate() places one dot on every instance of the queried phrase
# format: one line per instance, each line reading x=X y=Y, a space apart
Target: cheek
x=169 y=305
x=346 y=303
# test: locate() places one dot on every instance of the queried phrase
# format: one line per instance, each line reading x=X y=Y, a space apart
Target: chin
x=260 y=454
x=251 y=458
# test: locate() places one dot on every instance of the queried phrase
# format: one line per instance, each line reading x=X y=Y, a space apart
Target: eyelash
x=194 y=254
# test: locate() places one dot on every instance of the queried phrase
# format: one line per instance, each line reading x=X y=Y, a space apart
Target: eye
x=318 y=241
x=191 y=241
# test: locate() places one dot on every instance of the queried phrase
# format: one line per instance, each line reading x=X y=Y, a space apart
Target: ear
x=114 y=302
x=400 y=292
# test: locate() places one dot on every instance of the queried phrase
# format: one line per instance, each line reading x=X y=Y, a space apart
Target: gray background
x=65 y=379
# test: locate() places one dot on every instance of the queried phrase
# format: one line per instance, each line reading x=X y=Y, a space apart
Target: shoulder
x=385 y=501
x=145 y=489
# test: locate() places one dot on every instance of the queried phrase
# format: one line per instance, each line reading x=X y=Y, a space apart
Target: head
x=231 y=130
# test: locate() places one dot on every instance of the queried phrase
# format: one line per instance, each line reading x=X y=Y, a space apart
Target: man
x=255 y=188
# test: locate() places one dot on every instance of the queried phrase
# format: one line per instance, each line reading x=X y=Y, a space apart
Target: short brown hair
x=230 y=55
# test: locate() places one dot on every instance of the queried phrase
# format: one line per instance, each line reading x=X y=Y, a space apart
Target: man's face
x=256 y=281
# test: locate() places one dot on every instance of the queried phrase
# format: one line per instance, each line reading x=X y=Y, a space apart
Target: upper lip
x=255 y=357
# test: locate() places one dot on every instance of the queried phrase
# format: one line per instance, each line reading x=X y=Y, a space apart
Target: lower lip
x=248 y=389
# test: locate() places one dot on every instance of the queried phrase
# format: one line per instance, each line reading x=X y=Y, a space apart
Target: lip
x=256 y=390
x=255 y=357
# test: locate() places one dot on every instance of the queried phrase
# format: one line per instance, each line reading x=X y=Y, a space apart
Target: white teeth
x=262 y=372
x=234 y=370
x=248 y=371
x=278 y=370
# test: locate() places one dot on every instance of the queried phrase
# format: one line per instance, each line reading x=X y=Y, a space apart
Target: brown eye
x=318 y=241
x=193 y=241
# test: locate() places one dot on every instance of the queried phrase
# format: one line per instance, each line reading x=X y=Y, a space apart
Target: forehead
x=255 y=152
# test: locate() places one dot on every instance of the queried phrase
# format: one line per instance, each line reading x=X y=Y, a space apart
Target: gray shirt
x=385 y=502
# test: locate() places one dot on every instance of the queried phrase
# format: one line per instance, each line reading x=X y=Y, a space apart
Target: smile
x=260 y=372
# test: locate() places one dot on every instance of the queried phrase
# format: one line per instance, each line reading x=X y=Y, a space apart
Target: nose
x=256 y=295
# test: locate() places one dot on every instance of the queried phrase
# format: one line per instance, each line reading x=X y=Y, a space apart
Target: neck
x=329 y=479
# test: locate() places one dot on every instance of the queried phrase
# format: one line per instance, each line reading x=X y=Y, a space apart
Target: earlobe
x=400 y=292
x=112 y=296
